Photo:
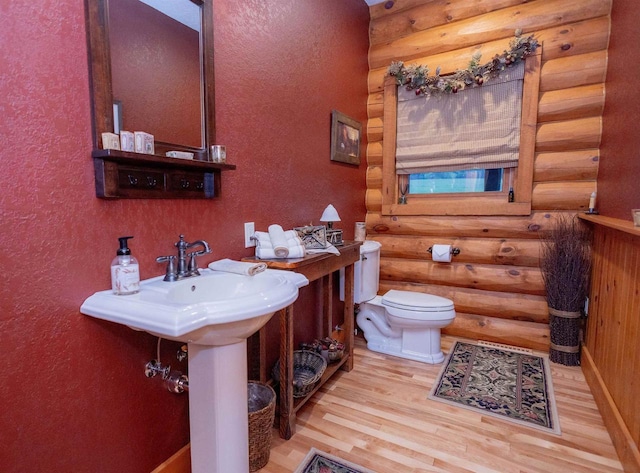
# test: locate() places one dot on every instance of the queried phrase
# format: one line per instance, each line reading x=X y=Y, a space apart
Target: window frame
x=493 y=203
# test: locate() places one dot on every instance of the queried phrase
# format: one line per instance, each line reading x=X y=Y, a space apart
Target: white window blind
x=477 y=128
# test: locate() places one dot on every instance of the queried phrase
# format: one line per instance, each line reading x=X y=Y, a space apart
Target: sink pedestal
x=218 y=408
x=214 y=313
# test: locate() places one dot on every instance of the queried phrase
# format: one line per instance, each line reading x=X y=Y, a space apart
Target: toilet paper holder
x=454 y=251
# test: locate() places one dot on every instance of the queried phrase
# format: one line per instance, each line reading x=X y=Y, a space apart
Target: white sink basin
x=215 y=308
x=214 y=313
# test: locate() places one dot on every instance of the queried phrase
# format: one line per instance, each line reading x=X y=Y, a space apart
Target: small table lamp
x=330 y=215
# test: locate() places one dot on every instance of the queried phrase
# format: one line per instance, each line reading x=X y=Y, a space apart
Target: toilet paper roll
x=441 y=253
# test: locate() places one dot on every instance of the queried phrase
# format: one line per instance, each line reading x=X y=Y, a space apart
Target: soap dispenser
x=125 y=273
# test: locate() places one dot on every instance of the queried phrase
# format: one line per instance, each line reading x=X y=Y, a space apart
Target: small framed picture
x=345 y=138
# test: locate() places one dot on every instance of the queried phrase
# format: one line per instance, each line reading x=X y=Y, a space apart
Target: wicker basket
x=335 y=355
x=262 y=408
x=331 y=349
x=308 y=367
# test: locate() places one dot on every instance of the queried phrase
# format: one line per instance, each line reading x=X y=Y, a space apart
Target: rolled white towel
x=265 y=235
x=265 y=242
x=239 y=267
x=268 y=253
x=263 y=239
x=279 y=241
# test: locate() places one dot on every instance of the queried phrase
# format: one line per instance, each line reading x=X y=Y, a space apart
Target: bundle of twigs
x=566 y=267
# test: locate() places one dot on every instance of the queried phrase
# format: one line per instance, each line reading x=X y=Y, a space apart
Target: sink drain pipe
x=174 y=381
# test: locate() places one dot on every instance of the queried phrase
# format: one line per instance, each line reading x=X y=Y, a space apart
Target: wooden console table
x=313 y=267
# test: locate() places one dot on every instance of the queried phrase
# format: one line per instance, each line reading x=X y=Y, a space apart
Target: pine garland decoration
x=416 y=77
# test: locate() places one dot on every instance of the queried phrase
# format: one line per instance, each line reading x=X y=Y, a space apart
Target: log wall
x=495 y=281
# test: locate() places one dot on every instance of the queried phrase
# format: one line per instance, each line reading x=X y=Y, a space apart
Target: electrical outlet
x=249 y=230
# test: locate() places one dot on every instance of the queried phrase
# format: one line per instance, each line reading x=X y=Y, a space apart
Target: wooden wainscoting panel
x=612 y=338
x=621 y=437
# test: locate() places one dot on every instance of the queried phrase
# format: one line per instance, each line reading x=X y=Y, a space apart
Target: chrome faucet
x=185 y=268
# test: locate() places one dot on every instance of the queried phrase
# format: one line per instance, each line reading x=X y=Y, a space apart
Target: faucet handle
x=170 y=274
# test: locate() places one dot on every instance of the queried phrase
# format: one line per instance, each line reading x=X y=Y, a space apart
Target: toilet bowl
x=400 y=323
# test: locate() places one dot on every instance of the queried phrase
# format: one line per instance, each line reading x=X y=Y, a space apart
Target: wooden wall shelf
x=625 y=226
x=122 y=174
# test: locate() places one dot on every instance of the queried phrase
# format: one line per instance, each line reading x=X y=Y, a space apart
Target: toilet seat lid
x=416 y=301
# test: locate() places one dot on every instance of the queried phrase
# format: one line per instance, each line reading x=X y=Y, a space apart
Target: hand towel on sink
x=279 y=241
x=239 y=267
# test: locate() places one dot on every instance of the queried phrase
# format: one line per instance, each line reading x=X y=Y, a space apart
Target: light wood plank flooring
x=378 y=415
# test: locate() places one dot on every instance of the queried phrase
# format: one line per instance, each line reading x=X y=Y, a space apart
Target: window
x=492 y=199
x=454 y=182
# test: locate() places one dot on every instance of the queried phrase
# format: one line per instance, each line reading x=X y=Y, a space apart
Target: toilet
x=399 y=323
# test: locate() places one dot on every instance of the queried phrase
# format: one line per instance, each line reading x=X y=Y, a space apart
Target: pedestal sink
x=214 y=314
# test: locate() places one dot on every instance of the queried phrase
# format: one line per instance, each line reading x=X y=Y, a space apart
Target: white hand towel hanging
x=238 y=267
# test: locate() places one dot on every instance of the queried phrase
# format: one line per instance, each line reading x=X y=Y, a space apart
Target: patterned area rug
x=511 y=385
x=321 y=462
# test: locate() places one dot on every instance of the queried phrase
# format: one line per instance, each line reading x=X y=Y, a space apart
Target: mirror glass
x=156 y=69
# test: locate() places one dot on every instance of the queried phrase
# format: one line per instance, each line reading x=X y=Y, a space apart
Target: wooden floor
x=378 y=416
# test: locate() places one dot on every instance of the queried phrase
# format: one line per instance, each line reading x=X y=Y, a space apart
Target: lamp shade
x=330 y=214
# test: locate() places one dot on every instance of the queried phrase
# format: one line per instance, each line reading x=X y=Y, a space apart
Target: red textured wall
x=619 y=171
x=73 y=394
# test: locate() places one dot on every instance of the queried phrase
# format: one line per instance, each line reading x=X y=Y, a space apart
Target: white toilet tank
x=366 y=273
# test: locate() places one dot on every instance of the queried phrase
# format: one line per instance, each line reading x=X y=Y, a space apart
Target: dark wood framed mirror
x=121 y=174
